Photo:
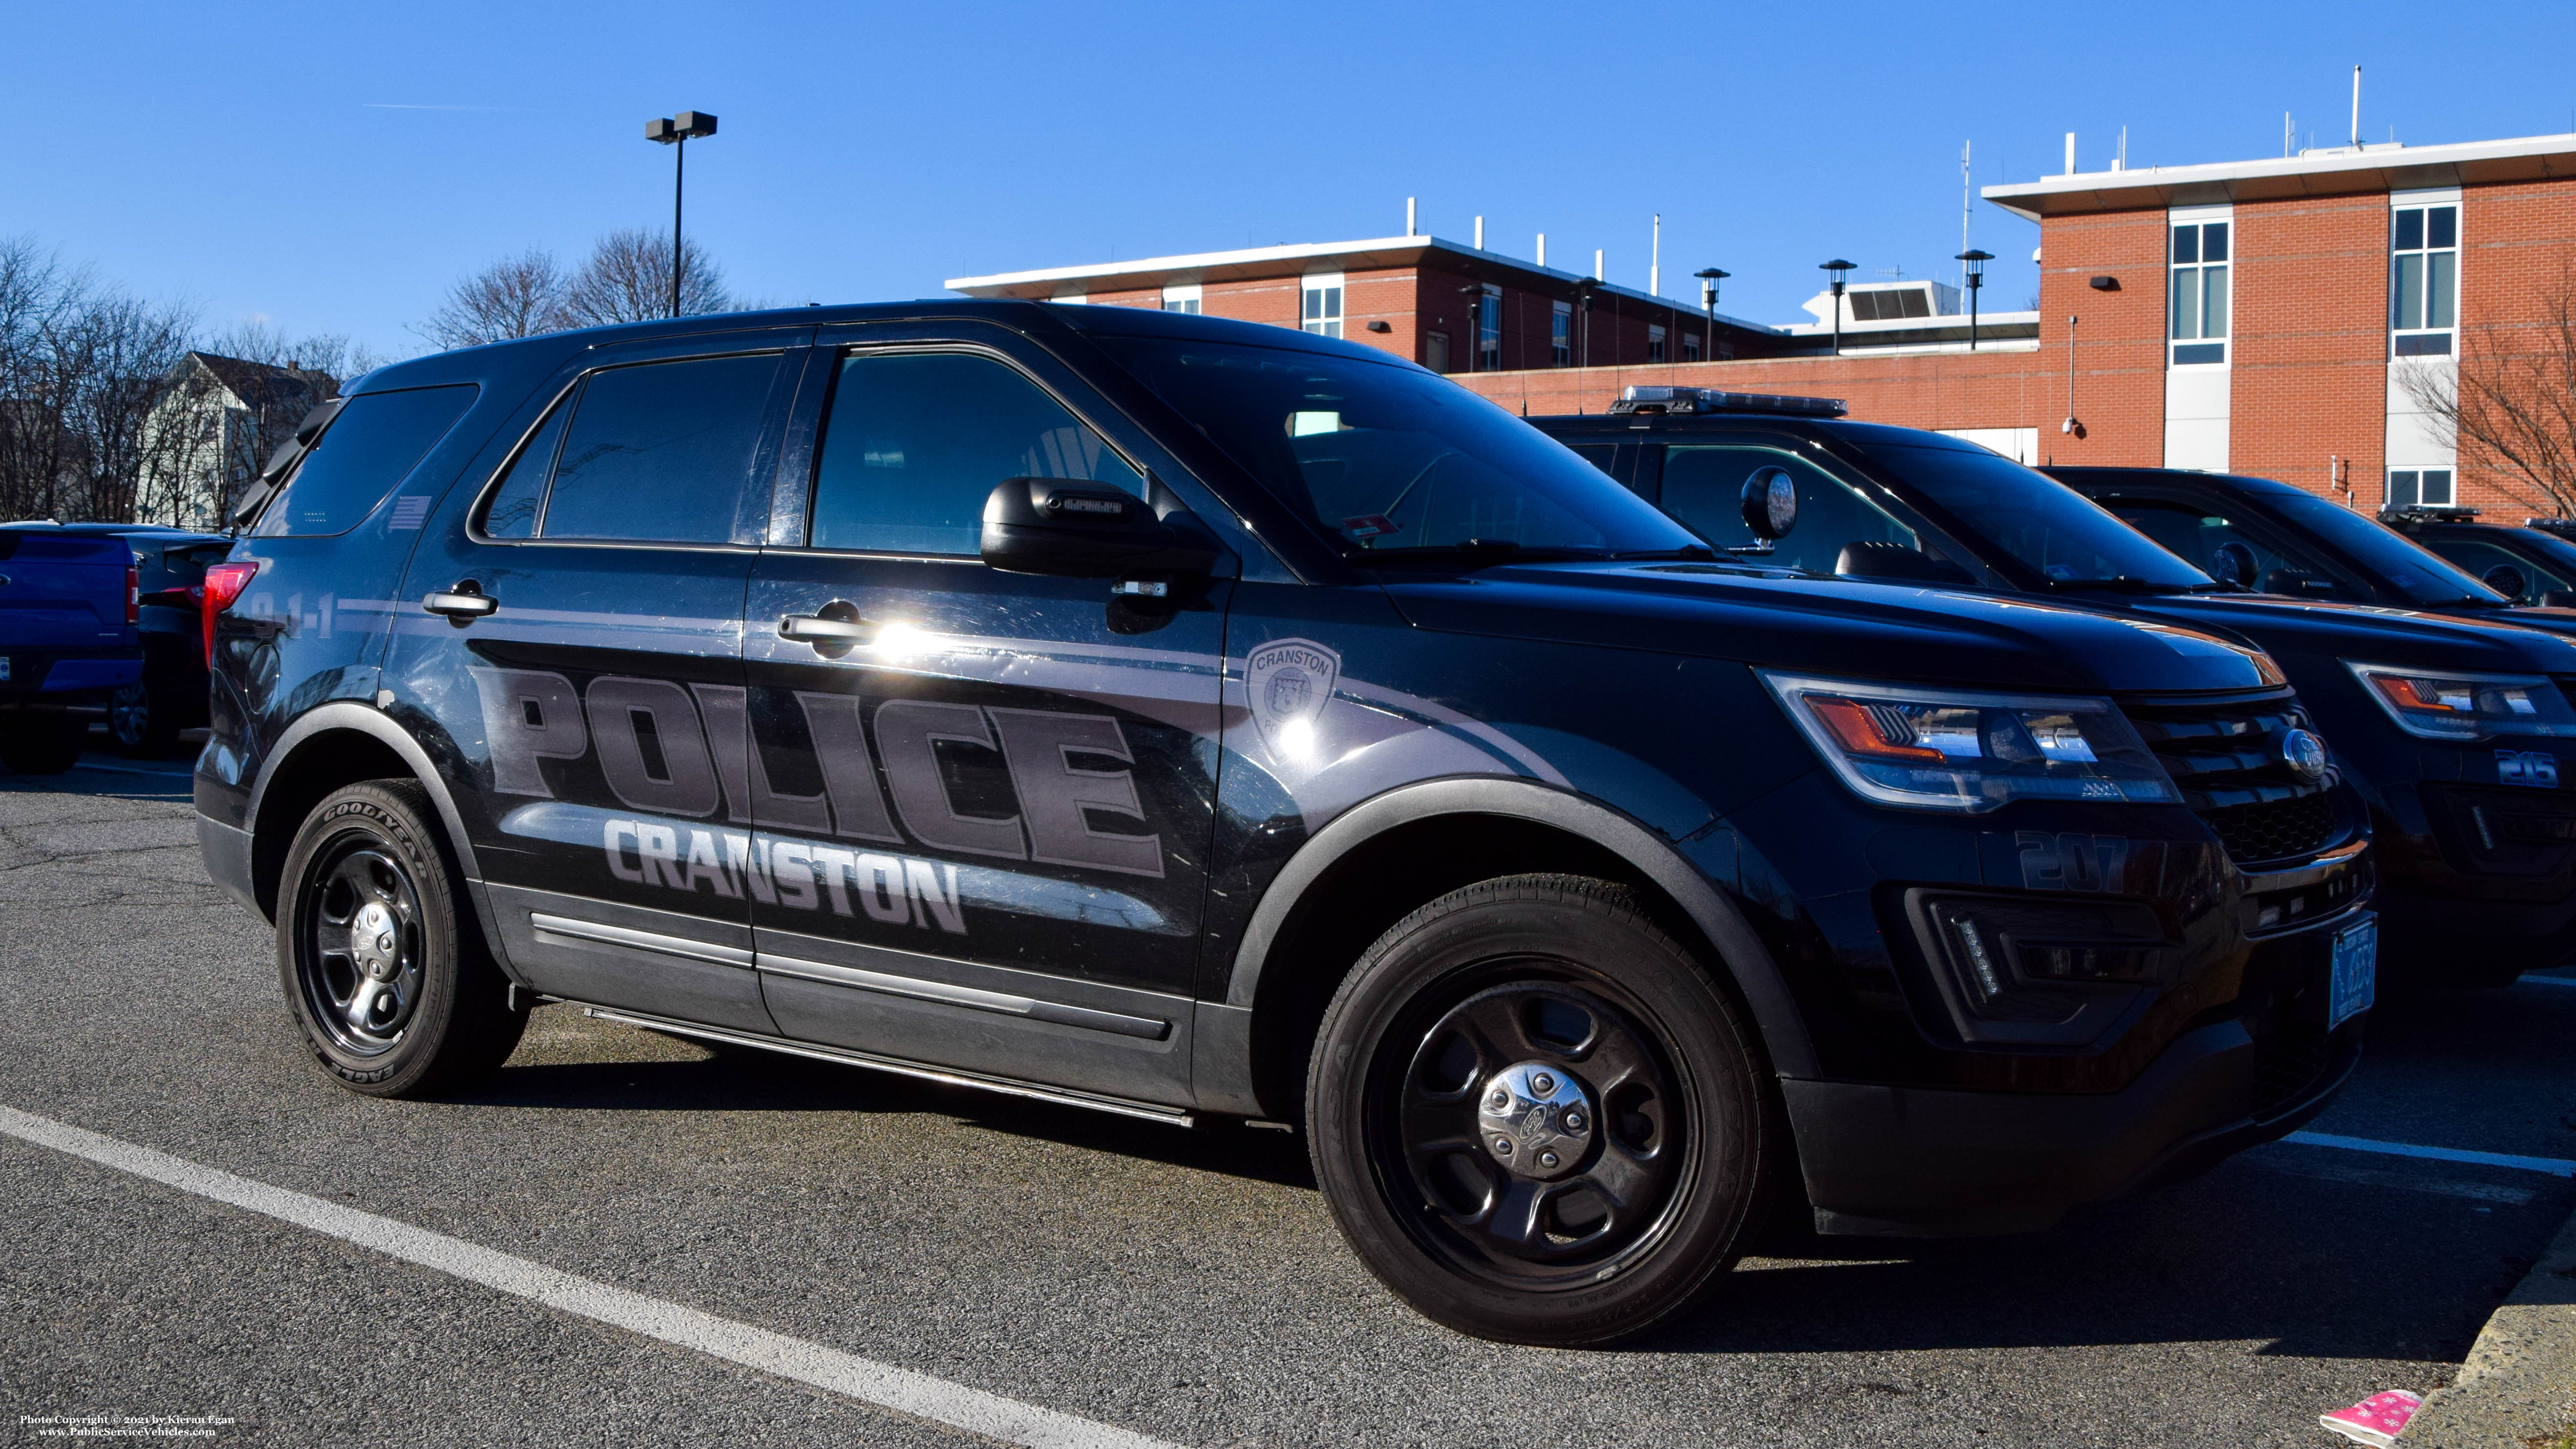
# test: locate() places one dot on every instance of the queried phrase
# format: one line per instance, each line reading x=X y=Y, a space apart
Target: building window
x=2199 y=327
x=2423 y=281
x=1435 y=351
x=1181 y=299
x=1690 y=347
x=1654 y=344
x=1489 y=330
x=1322 y=312
x=1560 y=336
x=2427 y=487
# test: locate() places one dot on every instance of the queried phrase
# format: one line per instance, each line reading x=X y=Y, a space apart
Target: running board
x=955 y=1077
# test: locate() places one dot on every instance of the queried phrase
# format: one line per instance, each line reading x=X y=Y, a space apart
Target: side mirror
x=2507 y=580
x=1770 y=503
x=1075 y=528
x=2233 y=563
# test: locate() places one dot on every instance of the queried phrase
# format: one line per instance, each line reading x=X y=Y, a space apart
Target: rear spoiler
x=283 y=461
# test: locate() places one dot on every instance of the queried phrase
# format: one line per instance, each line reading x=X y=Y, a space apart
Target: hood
x=1832 y=626
x=2500 y=642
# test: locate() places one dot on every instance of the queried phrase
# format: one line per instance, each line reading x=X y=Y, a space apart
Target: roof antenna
x=2356 y=108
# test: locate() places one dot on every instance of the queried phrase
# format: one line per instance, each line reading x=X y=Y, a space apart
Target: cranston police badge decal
x=1289 y=682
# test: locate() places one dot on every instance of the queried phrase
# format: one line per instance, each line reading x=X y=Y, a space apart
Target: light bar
x=1637 y=399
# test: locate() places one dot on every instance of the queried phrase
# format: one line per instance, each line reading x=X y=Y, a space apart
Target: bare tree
x=628 y=279
x=519 y=296
x=80 y=369
x=2510 y=407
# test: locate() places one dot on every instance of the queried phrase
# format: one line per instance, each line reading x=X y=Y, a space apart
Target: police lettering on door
x=667 y=750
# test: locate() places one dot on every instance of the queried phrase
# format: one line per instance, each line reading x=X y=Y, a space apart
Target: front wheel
x=386 y=977
x=1537 y=1118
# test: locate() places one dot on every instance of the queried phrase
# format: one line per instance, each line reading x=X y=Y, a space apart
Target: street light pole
x=1976 y=261
x=1709 y=277
x=675 y=131
x=1836 y=268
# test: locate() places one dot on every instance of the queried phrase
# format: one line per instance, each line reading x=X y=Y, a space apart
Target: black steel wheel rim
x=129 y=713
x=1616 y=1189
x=358 y=945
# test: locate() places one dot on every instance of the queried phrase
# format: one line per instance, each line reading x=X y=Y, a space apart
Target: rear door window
x=368 y=450
x=658 y=452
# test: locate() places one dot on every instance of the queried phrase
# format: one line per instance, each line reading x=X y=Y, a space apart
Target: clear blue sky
x=335 y=169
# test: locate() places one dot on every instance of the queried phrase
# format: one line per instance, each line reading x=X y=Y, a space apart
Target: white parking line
x=179 y=774
x=2554 y=1166
x=884 y=1385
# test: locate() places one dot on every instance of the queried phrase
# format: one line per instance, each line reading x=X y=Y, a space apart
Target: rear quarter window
x=361 y=458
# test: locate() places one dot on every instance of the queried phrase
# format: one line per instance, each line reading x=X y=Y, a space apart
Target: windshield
x=2054 y=531
x=2420 y=574
x=1385 y=460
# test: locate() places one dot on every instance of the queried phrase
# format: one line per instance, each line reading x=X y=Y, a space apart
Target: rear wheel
x=1537 y=1118
x=145 y=717
x=36 y=742
x=387 y=979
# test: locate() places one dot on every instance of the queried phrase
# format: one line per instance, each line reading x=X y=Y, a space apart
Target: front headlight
x=2444 y=705
x=1939 y=749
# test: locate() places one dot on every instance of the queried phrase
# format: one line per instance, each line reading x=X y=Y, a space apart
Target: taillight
x=133 y=594
x=224 y=583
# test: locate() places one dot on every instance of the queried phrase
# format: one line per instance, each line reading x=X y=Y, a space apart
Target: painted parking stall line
x=883 y=1385
x=2554 y=1166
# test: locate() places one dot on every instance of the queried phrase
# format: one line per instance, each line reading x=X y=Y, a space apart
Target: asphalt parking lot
x=1186 y=1286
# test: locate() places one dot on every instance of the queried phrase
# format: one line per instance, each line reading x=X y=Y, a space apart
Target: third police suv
x=1189 y=719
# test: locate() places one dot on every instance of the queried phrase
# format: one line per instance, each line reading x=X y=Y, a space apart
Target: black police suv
x=2449 y=723
x=2533 y=563
x=1179 y=717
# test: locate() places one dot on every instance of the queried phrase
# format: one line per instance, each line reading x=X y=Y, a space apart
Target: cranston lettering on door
x=668 y=750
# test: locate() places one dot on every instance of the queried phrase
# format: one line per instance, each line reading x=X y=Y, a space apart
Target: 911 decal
x=799 y=874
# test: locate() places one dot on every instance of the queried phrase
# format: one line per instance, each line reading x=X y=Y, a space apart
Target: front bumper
x=1924 y=1161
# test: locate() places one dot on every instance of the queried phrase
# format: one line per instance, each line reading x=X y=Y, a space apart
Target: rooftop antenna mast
x=2356 y=108
x=1967 y=204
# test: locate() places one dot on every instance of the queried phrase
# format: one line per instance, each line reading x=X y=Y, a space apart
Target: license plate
x=2356 y=970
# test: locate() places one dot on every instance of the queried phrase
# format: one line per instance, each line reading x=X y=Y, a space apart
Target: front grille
x=2225 y=757
x=2276 y=830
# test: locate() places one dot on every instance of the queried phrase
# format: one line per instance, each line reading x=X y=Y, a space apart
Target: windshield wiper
x=1695 y=552
x=2119 y=584
x=1478 y=552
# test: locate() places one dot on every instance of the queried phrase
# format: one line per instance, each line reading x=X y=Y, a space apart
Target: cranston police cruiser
x=1183 y=718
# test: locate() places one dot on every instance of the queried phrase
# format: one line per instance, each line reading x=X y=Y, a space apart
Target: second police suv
x=1186 y=718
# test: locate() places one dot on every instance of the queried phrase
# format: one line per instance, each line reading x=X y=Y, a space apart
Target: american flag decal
x=408 y=512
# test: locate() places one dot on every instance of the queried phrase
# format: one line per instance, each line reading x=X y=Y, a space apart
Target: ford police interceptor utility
x=1182 y=718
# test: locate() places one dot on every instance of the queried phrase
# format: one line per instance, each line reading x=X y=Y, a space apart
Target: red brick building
x=2259 y=317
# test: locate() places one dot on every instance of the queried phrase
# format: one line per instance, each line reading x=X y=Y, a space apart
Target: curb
x=2518 y=1387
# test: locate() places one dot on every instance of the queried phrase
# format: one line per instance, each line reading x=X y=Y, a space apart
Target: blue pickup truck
x=69 y=639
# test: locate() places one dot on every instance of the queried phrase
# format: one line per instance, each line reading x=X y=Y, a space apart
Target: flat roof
x=1255 y=263
x=2340 y=170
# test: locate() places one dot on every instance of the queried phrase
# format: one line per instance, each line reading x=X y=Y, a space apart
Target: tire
x=385 y=973
x=40 y=743
x=145 y=717
x=1553 y=990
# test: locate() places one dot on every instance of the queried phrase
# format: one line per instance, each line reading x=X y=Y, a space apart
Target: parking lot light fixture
x=1837 y=267
x=1709 y=277
x=1976 y=279
x=674 y=132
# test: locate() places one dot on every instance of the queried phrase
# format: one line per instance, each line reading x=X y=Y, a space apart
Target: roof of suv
x=2224 y=482
x=1036 y=318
